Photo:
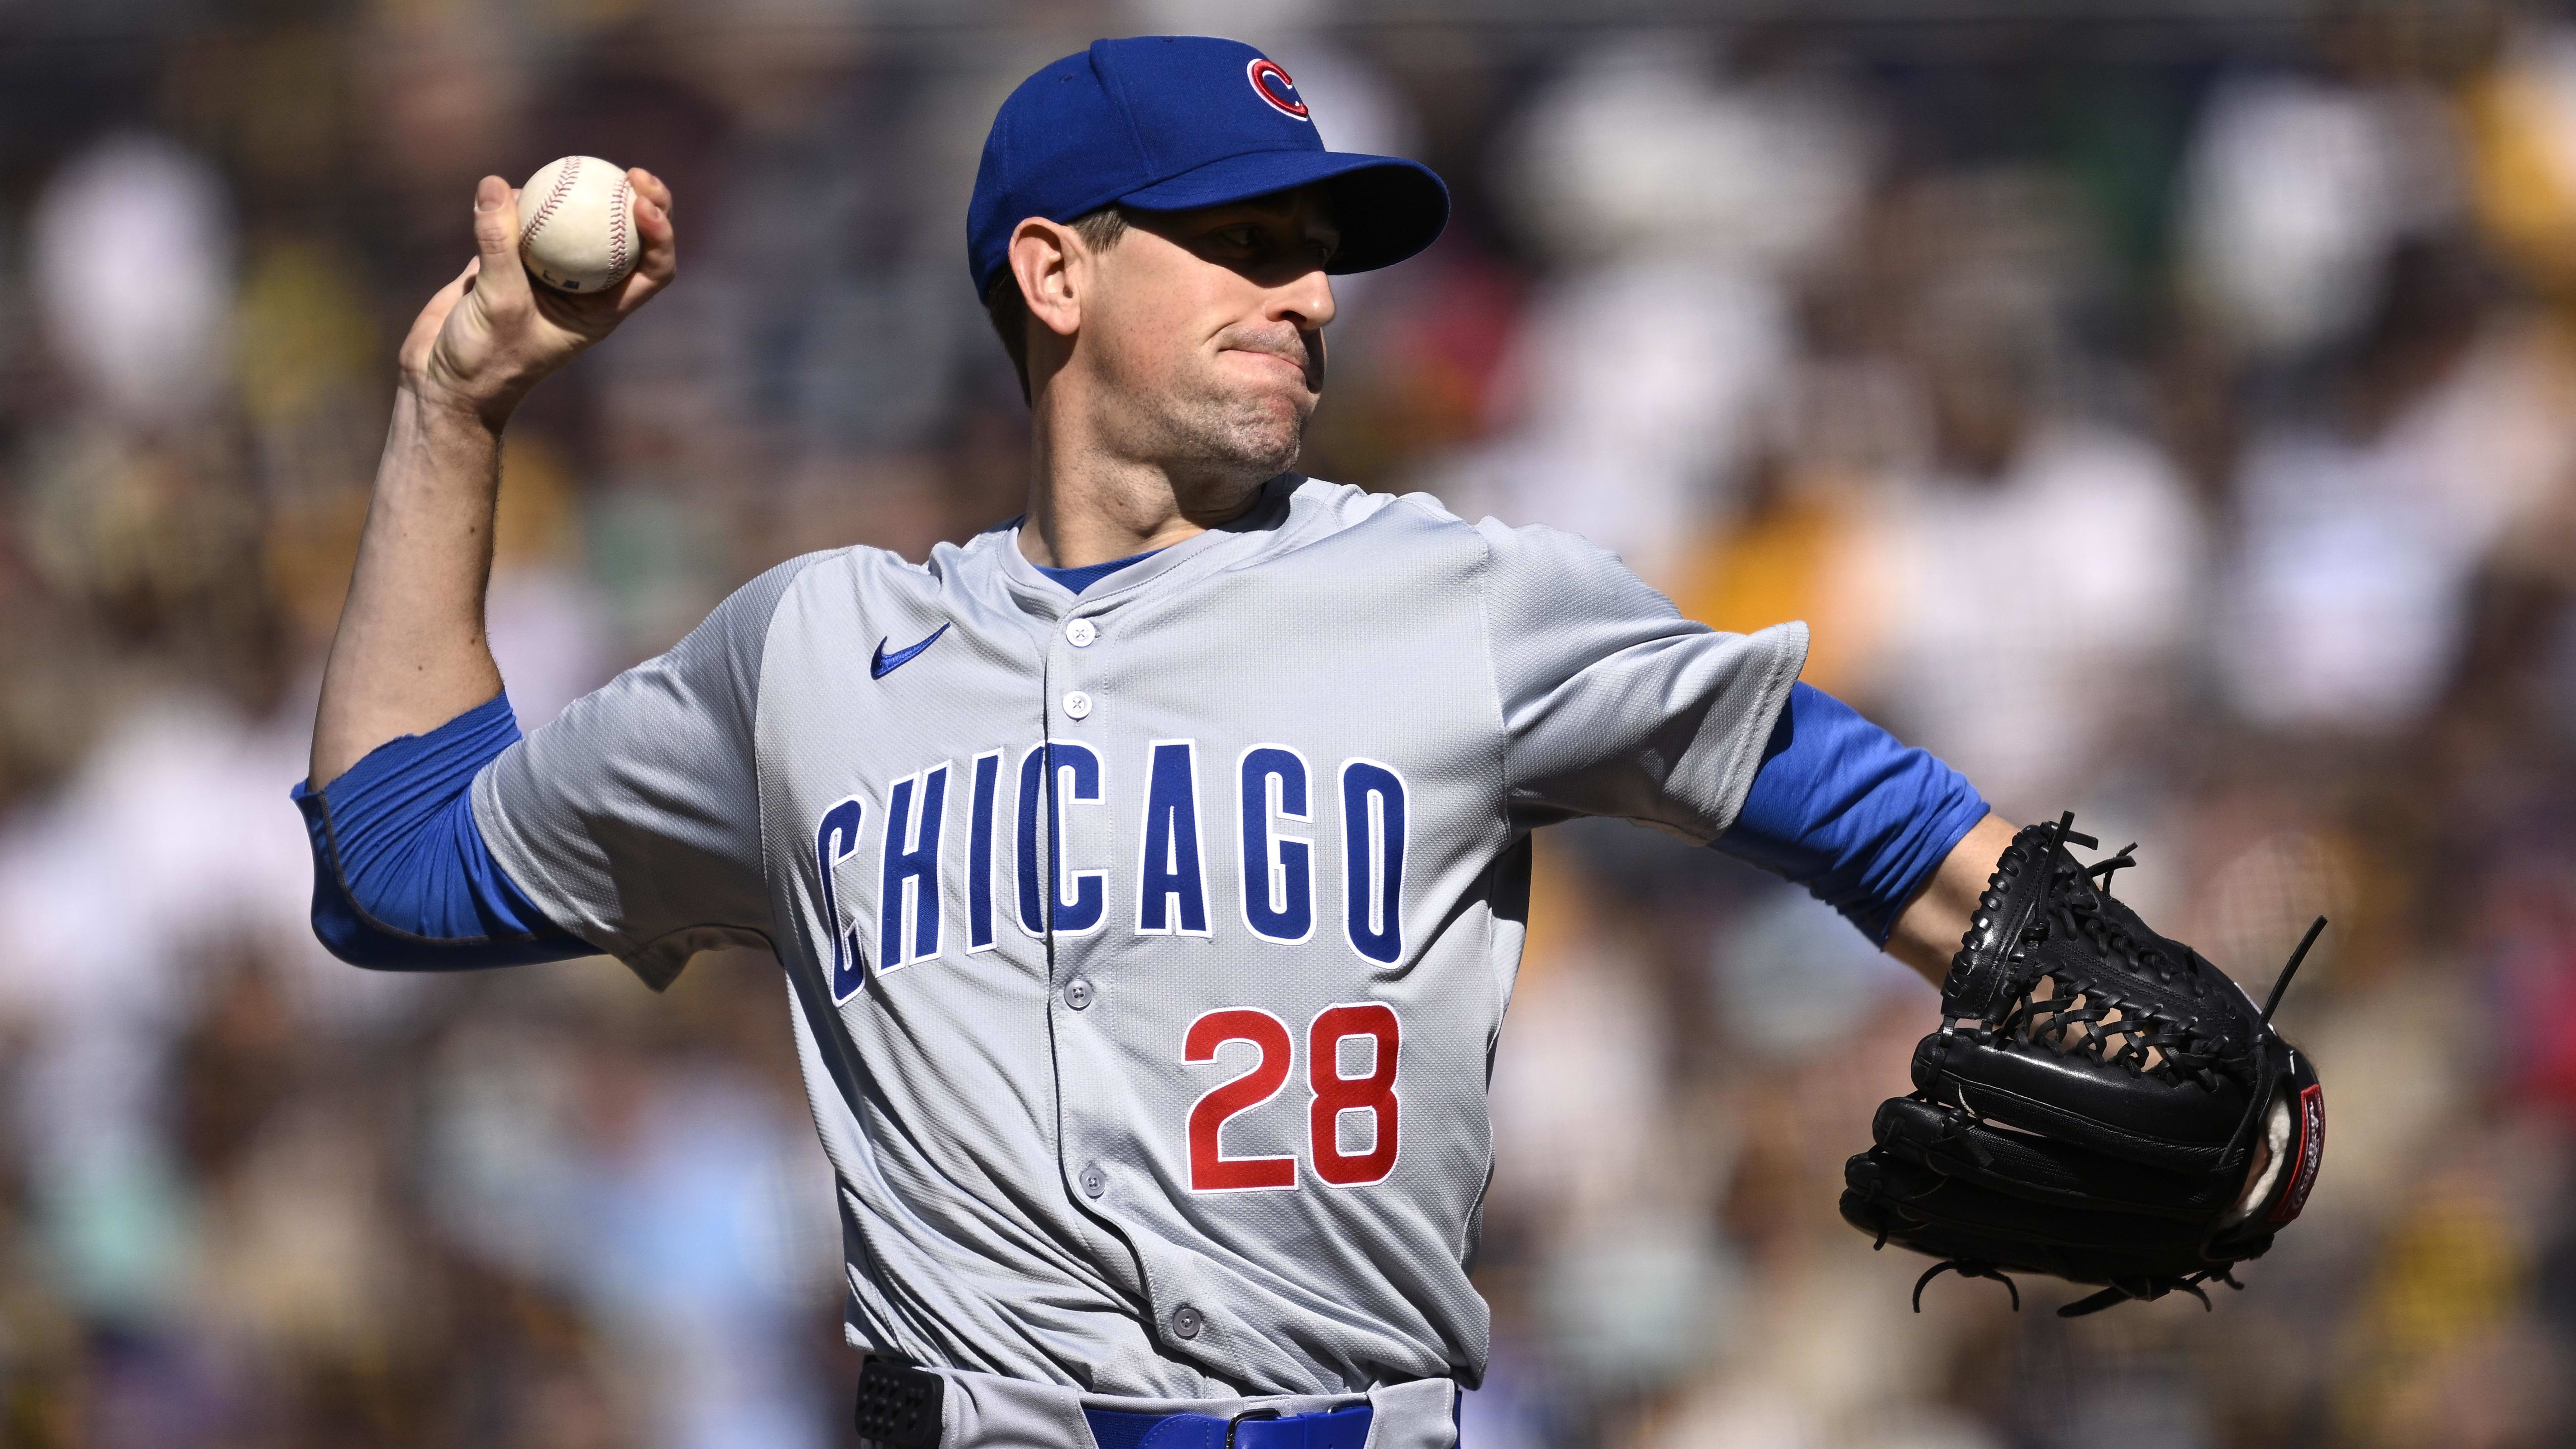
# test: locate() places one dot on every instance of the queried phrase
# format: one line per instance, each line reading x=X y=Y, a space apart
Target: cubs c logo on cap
x=1273 y=85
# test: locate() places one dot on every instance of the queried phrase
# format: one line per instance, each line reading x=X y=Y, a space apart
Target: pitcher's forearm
x=411 y=652
x=1927 y=934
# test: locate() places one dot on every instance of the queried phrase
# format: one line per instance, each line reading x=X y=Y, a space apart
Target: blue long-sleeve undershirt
x=1840 y=807
x=402 y=880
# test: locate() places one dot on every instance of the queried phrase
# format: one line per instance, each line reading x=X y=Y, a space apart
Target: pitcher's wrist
x=436 y=404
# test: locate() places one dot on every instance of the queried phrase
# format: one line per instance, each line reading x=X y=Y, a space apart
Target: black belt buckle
x=899 y=1405
x=1237 y=1421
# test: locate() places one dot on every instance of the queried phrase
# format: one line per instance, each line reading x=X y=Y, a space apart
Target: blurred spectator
x=550 y=631
x=1635 y=386
x=1646 y=144
x=2522 y=115
x=1676 y=200
x=2364 y=529
x=2038 y=568
x=673 y=1198
x=2296 y=192
x=133 y=266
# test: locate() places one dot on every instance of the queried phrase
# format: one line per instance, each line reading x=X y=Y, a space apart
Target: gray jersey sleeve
x=633 y=819
x=1612 y=702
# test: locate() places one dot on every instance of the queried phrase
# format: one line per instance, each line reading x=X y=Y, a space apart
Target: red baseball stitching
x=554 y=199
x=622 y=208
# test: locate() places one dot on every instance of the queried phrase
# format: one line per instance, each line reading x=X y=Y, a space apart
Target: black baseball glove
x=2095 y=1103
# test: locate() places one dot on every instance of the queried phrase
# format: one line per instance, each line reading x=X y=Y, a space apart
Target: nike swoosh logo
x=884 y=664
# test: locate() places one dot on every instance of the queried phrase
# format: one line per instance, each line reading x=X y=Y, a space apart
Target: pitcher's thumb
x=496 y=231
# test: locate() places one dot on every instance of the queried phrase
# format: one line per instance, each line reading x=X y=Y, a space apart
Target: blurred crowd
x=2171 y=420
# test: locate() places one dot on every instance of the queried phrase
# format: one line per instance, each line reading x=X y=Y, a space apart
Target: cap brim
x=1387 y=208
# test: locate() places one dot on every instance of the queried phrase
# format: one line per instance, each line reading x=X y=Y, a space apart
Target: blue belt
x=1260 y=1429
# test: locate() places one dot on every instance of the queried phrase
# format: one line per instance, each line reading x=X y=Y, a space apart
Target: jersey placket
x=1067 y=705
x=1097 y=1161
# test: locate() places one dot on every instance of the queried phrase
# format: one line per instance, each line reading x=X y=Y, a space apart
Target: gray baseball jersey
x=1147 y=948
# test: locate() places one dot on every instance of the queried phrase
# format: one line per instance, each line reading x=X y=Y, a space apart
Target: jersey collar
x=1226 y=543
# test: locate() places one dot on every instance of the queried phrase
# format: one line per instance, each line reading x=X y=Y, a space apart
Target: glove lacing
x=2144 y=1290
x=1966 y=1268
x=2148 y=1044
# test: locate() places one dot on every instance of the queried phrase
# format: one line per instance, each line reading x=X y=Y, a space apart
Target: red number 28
x=1335 y=1096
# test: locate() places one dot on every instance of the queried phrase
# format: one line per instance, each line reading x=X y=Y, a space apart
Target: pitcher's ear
x=1045 y=256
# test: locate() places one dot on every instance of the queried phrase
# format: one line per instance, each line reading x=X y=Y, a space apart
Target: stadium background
x=2165 y=410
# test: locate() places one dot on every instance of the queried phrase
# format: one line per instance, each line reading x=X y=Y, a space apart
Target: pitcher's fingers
x=659 y=255
x=496 y=244
x=659 y=261
x=649 y=185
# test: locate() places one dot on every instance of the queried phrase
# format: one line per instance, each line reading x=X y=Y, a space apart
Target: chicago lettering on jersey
x=1265 y=816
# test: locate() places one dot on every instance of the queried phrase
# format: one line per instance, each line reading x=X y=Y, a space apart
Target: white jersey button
x=1186 y=1321
x=1094 y=1181
x=1078 y=705
x=1079 y=633
x=1077 y=993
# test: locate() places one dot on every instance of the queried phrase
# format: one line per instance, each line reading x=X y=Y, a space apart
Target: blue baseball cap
x=1175 y=122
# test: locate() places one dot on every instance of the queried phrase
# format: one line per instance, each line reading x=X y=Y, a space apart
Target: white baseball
x=577 y=224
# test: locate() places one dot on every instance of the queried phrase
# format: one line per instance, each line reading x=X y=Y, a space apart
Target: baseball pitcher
x=1150 y=872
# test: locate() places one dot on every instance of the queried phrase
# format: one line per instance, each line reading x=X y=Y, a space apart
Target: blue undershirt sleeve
x=402 y=880
x=1840 y=807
